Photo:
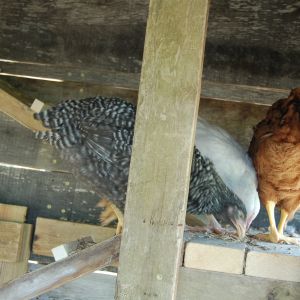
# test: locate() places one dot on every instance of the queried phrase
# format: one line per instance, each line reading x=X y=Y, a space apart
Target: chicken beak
x=240 y=226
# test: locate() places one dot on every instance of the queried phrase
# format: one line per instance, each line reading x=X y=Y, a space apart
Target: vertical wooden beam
x=163 y=148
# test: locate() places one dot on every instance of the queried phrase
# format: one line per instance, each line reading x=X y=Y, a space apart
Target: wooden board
x=205 y=285
x=19 y=111
x=56 y=274
x=94 y=286
x=247 y=42
x=193 y=285
x=49 y=194
x=17 y=140
x=281 y=262
x=8 y=270
x=13 y=213
x=52 y=233
x=164 y=135
x=252 y=258
x=215 y=255
x=10 y=241
x=52 y=92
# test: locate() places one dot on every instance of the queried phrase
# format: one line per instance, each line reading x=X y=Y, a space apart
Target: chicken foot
x=276 y=236
x=110 y=214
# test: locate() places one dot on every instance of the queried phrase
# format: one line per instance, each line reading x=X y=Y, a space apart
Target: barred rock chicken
x=275 y=150
x=232 y=164
x=95 y=135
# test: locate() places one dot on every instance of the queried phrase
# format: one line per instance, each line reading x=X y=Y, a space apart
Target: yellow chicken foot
x=277 y=236
x=273 y=236
x=120 y=217
x=110 y=214
x=282 y=238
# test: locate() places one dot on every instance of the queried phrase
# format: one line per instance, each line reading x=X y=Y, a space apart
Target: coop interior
x=57 y=50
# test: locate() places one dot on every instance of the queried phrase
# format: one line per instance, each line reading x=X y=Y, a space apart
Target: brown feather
x=275 y=151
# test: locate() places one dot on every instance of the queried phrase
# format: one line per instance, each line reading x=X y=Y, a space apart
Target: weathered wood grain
x=8 y=270
x=69 y=30
x=196 y=284
x=10 y=241
x=52 y=195
x=12 y=270
x=164 y=135
x=17 y=110
x=254 y=42
x=94 y=286
x=59 y=73
x=215 y=255
x=19 y=147
x=56 y=274
x=52 y=233
x=13 y=213
x=281 y=262
x=52 y=92
x=193 y=285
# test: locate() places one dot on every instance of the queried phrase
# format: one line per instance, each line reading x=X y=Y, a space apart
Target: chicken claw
x=280 y=238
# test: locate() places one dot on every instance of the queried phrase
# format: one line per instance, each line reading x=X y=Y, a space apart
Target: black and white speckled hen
x=95 y=135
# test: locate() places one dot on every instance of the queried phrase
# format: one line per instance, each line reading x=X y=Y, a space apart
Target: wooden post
x=19 y=111
x=162 y=152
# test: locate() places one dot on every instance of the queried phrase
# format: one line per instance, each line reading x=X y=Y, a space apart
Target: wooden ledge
x=253 y=258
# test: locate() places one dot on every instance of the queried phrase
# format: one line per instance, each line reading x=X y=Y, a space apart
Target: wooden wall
x=248 y=42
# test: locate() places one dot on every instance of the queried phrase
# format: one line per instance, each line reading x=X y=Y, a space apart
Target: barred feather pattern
x=208 y=194
x=95 y=136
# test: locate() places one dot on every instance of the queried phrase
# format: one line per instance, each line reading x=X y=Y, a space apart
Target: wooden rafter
x=19 y=111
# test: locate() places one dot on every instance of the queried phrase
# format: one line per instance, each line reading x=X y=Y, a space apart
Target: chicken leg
x=110 y=214
x=276 y=236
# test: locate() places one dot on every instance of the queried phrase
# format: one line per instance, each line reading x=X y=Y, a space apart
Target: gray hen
x=95 y=135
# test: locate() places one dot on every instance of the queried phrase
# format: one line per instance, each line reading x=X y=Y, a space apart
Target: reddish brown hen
x=275 y=151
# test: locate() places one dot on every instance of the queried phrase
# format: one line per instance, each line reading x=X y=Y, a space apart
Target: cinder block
x=274 y=261
x=215 y=255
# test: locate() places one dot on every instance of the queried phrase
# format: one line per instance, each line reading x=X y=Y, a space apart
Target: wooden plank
x=17 y=110
x=94 y=286
x=215 y=255
x=52 y=233
x=52 y=92
x=205 y=285
x=9 y=270
x=102 y=287
x=281 y=262
x=10 y=241
x=73 y=43
x=59 y=73
x=16 y=139
x=56 y=274
x=13 y=213
x=54 y=195
x=231 y=56
x=164 y=134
